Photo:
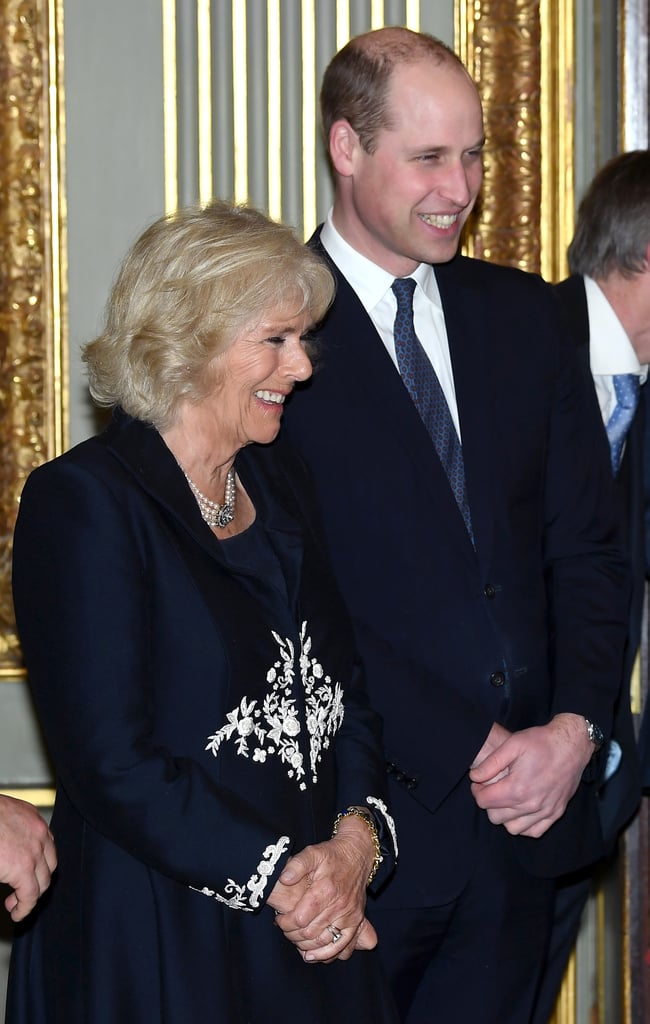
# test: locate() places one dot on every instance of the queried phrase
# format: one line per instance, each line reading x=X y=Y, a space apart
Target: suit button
x=411 y=783
x=400 y=777
x=489 y=590
x=497 y=678
x=390 y=767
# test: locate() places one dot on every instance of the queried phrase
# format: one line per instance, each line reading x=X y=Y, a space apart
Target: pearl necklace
x=212 y=513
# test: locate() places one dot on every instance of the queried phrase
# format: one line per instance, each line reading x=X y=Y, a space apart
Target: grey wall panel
x=114 y=157
x=115 y=128
x=23 y=761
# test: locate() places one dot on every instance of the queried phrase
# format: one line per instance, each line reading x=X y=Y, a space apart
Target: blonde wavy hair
x=188 y=286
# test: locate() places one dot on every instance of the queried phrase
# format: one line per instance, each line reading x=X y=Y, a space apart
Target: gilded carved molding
x=503 y=53
x=500 y=44
x=520 y=52
x=31 y=407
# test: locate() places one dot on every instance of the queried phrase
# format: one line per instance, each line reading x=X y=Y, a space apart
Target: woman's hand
x=320 y=897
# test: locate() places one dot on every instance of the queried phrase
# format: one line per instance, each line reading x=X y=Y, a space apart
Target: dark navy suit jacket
x=455 y=638
x=620 y=795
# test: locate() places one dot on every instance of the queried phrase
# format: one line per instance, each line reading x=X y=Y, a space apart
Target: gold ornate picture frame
x=33 y=423
x=520 y=53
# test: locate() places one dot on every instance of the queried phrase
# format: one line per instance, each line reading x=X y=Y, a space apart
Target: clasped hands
x=524 y=780
x=320 y=897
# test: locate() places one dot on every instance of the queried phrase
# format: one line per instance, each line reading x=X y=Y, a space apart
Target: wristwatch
x=595 y=734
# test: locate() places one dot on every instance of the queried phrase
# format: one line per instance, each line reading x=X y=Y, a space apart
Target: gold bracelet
x=367 y=817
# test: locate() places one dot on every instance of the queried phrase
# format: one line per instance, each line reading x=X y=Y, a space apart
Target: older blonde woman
x=193 y=666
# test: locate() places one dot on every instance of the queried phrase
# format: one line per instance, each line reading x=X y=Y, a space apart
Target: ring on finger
x=334 y=932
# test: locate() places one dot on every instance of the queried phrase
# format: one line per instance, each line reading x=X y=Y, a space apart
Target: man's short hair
x=355 y=83
x=613 y=223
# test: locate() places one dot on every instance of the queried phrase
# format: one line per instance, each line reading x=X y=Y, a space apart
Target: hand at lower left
x=27 y=855
x=526 y=784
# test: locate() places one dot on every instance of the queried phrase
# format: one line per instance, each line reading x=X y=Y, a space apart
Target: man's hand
x=496 y=738
x=525 y=782
x=27 y=855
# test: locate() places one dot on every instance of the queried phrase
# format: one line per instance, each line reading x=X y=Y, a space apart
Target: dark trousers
x=570 y=899
x=478 y=959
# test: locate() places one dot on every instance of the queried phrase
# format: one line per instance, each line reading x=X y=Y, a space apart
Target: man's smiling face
x=406 y=203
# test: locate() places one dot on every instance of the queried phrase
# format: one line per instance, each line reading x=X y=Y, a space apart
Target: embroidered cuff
x=248 y=895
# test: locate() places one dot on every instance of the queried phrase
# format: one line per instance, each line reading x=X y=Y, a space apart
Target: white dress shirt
x=373 y=287
x=610 y=349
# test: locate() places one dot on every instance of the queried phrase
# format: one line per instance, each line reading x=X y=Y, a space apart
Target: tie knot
x=403 y=289
x=627 y=387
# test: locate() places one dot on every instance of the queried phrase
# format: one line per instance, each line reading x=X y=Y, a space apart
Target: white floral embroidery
x=324 y=703
x=374 y=801
x=247 y=896
x=274 y=728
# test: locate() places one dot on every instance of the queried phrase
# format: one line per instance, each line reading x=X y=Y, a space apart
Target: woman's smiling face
x=254 y=376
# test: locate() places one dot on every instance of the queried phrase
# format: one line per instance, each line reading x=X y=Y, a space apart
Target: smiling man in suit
x=468 y=503
x=607 y=303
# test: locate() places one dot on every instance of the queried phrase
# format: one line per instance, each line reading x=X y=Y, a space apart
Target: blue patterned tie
x=627 y=387
x=424 y=388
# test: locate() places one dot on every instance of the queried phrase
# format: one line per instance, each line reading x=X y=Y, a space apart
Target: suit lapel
x=629 y=481
x=477 y=397
x=359 y=357
x=143 y=452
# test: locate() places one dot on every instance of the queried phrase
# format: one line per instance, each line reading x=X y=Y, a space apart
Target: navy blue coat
x=528 y=624
x=203 y=725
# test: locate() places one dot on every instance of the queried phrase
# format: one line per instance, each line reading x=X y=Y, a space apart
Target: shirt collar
x=369 y=281
x=610 y=349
